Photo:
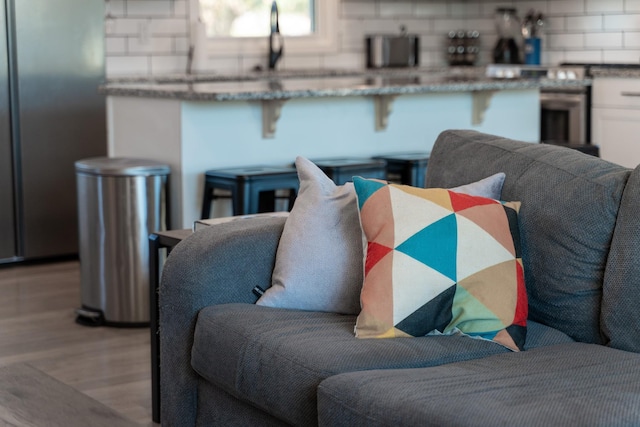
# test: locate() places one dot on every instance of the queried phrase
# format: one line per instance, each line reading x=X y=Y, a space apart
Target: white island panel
x=149 y=129
x=200 y=135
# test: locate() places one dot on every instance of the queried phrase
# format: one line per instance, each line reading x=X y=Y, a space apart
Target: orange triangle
x=461 y=201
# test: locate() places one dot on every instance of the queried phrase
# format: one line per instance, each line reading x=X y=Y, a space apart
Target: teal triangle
x=365 y=188
x=435 y=246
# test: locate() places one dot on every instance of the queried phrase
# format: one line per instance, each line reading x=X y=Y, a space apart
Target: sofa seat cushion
x=275 y=358
x=572 y=384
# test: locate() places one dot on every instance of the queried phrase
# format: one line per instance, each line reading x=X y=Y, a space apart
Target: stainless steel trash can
x=120 y=202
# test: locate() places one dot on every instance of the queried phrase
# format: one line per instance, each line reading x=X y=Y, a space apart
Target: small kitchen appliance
x=564 y=110
x=507 y=49
x=393 y=50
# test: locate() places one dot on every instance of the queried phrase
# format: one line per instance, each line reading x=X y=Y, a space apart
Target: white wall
x=150 y=37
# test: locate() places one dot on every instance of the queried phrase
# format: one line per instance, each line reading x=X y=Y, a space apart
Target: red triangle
x=375 y=252
x=461 y=201
x=522 y=307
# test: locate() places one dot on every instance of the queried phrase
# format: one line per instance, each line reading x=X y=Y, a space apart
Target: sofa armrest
x=216 y=265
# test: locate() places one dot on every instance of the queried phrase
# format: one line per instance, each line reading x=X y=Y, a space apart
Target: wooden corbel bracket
x=481 y=100
x=383 y=105
x=271 y=109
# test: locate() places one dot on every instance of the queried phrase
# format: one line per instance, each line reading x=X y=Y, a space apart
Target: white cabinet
x=615 y=119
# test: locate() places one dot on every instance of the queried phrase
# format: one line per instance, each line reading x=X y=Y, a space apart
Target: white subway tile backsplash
x=484 y=26
x=443 y=26
x=605 y=6
x=432 y=9
x=604 y=40
x=553 y=57
x=358 y=9
x=181 y=44
x=621 y=56
x=115 y=7
x=432 y=42
x=157 y=45
x=622 y=22
x=149 y=7
x=584 y=23
x=344 y=61
x=381 y=26
x=301 y=62
x=632 y=39
x=540 y=6
x=180 y=8
x=127 y=66
x=489 y=7
x=168 y=64
x=594 y=56
x=126 y=27
x=391 y=9
x=632 y=6
x=463 y=10
x=416 y=26
x=175 y=26
x=567 y=7
x=151 y=36
x=555 y=24
x=566 y=41
x=116 y=45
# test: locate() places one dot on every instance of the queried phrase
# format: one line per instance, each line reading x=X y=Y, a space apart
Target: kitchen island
x=200 y=123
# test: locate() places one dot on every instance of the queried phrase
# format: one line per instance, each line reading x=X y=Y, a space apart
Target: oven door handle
x=630 y=93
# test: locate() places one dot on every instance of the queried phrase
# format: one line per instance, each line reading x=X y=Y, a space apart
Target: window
x=243 y=26
x=251 y=18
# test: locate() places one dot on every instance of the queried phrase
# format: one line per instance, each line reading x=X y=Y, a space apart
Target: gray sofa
x=226 y=361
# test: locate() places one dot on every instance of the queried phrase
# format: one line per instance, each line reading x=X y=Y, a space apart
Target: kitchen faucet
x=275 y=38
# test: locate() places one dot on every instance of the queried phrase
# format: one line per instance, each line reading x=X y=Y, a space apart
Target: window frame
x=322 y=41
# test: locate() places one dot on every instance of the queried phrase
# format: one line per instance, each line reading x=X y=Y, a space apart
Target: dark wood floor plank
x=37 y=326
x=28 y=397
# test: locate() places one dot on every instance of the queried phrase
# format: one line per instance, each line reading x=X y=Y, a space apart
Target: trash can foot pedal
x=89 y=317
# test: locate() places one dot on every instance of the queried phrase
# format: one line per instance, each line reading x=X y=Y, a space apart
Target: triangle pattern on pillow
x=375 y=252
x=414 y=282
x=441 y=253
x=450 y=262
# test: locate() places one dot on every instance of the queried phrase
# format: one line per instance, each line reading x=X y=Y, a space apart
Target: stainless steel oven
x=563 y=115
x=564 y=111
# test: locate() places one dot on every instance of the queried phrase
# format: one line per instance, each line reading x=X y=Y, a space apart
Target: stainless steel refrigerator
x=51 y=64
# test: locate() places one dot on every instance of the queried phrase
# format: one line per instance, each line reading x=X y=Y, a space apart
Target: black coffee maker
x=508 y=48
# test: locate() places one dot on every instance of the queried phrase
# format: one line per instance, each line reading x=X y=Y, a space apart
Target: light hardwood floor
x=37 y=326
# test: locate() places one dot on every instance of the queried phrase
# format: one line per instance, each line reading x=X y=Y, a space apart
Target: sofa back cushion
x=620 y=317
x=570 y=202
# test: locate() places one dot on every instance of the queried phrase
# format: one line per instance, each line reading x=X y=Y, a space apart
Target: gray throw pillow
x=319 y=261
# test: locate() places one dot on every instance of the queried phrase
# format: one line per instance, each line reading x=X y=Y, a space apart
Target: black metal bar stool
x=344 y=169
x=246 y=185
x=406 y=168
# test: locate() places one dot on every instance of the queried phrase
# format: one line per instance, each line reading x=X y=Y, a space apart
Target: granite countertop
x=612 y=71
x=321 y=83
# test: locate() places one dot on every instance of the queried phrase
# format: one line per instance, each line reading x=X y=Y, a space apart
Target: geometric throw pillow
x=319 y=258
x=438 y=261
